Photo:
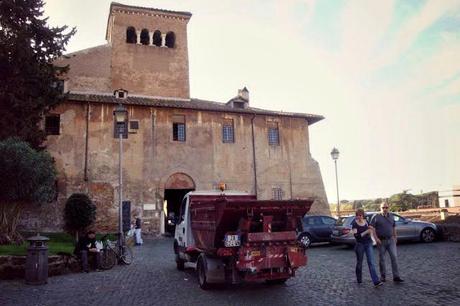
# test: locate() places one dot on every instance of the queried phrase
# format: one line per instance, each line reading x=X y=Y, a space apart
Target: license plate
x=255 y=253
x=335 y=232
x=232 y=240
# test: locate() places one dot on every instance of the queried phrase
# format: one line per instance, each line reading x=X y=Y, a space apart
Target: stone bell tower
x=149 y=51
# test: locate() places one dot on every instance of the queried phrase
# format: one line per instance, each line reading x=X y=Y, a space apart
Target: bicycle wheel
x=109 y=259
x=126 y=255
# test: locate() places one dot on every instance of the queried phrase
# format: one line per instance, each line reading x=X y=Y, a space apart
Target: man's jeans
x=390 y=246
x=360 y=249
x=84 y=259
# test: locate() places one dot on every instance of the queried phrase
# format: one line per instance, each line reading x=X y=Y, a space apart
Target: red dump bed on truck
x=213 y=216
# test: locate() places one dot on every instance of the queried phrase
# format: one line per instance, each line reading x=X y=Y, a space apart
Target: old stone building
x=175 y=143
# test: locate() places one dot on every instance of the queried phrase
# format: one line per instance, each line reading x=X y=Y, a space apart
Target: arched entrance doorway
x=176 y=187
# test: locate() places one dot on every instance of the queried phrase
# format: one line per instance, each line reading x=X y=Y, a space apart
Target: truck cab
x=183 y=236
x=184 y=242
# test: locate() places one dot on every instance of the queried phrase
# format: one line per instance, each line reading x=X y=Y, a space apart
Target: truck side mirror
x=172 y=219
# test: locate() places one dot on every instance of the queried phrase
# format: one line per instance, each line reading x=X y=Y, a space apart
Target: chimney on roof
x=243 y=94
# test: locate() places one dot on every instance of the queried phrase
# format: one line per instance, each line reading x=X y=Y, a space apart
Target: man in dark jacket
x=87 y=246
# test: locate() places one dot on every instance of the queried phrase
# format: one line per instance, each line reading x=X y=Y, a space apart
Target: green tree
x=28 y=177
x=28 y=79
x=79 y=213
x=403 y=201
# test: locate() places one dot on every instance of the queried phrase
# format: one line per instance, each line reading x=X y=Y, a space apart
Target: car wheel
x=305 y=240
x=427 y=235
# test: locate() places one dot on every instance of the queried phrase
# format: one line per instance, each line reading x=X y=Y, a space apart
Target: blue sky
x=385 y=74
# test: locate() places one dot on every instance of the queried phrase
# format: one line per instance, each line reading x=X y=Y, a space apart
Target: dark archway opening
x=131 y=37
x=156 y=40
x=170 y=40
x=145 y=39
x=173 y=199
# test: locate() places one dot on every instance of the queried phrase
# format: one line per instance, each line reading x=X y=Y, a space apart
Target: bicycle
x=113 y=252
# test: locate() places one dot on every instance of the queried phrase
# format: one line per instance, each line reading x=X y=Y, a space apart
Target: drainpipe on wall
x=254 y=153
x=86 y=144
x=289 y=160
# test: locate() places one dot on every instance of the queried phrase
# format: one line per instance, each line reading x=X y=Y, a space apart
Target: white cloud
x=363 y=25
x=406 y=36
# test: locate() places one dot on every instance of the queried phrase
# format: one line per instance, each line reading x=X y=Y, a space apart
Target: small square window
x=59 y=85
x=134 y=125
x=238 y=104
x=228 y=135
x=52 y=124
x=273 y=134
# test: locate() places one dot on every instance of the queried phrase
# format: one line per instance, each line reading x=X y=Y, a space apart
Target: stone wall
x=12 y=267
x=146 y=69
x=151 y=157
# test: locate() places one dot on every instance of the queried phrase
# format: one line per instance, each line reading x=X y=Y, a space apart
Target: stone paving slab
x=431 y=271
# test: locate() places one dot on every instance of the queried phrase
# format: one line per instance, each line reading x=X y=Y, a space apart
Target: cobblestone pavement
x=431 y=271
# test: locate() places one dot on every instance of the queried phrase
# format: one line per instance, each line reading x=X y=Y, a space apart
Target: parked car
x=406 y=229
x=315 y=229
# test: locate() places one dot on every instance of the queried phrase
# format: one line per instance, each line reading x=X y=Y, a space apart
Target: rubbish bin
x=36 y=272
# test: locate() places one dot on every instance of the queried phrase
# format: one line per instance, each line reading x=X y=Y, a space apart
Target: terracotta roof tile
x=116 y=4
x=196 y=104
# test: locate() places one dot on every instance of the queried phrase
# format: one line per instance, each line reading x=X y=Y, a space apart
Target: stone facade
x=155 y=162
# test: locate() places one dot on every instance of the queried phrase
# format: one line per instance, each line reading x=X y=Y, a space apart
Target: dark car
x=315 y=229
x=406 y=229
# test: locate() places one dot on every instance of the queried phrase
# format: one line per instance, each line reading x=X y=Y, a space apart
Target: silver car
x=406 y=229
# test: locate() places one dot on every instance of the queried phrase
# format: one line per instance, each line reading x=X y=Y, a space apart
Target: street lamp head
x=335 y=154
x=120 y=113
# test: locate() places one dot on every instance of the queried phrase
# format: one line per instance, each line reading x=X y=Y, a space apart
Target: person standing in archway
x=137 y=231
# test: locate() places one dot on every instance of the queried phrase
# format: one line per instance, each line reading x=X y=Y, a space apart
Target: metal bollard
x=36 y=271
x=444 y=214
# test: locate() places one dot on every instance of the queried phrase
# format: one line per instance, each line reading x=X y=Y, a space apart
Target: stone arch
x=145 y=39
x=179 y=180
x=131 y=37
x=156 y=41
x=170 y=40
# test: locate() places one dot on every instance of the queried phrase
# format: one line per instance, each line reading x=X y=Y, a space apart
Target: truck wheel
x=180 y=263
x=201 y=271
x=279 y=281
x=176 y=247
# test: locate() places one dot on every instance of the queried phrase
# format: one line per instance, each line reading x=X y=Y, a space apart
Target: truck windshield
x=182 y=208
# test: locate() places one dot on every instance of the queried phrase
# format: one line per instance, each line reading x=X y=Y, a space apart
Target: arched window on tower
x=157 y=38
x=145 y=39
x=131 y=35
x=170 y=40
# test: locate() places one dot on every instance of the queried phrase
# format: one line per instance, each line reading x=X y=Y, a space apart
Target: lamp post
x=120 y=115
x=335 y=155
